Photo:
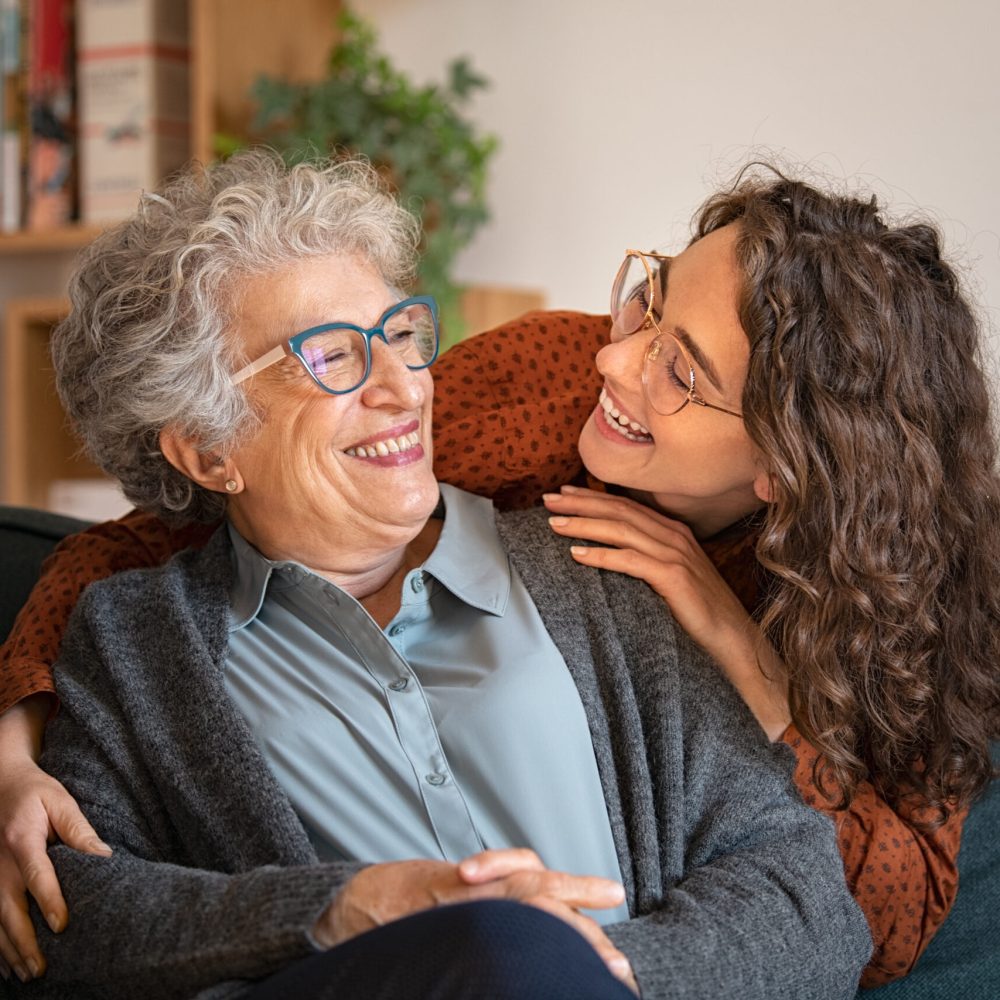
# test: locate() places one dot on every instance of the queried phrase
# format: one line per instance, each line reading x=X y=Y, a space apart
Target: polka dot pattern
x=508 y=409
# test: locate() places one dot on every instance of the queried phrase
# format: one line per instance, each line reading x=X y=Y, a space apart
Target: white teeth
x=390 y=446
x=619 y=421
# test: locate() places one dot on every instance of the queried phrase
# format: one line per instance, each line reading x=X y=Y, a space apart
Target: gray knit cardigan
x=735 y=887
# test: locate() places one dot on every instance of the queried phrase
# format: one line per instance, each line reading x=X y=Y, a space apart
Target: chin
x=418 y=502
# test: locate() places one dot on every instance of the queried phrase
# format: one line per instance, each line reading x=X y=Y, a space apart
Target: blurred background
x=616 y=118
x=582 y=129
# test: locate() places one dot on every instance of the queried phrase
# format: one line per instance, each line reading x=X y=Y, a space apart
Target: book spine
x=51 y=167
x=133 y=76
x=10 y=113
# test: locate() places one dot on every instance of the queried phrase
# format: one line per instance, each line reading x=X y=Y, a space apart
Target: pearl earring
x=232 y=486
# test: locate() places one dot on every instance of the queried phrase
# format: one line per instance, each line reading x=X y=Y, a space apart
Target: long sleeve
x=131 y=542
x=905 y=878
x=759 y=909
x=735 y=886
x=212 y=878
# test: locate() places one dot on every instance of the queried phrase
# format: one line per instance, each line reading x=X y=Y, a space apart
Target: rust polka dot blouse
x=508 y=409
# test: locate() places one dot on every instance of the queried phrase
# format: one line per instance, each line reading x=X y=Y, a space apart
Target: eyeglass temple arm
x=696 y=398
x=264 y=361
x=648 y=253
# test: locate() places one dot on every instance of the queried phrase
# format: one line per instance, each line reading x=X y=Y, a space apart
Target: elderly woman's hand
x=643 y=543
x=385 y=892
x=34 y=808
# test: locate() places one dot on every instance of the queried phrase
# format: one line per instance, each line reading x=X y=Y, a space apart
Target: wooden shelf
x=49 y=240
x=38 y=445
x=232 y=42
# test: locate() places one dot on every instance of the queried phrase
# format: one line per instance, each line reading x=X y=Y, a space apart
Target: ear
x=762 y=487
x=205 y=468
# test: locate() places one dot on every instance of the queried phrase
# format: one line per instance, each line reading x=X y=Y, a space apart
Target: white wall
x=617 y=118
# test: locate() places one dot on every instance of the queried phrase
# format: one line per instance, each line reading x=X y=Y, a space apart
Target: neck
x=372 y=576
x=382 y=601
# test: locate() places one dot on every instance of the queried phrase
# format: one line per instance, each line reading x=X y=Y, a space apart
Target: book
x=133 y=90
x=11 y=112
x=50 y=175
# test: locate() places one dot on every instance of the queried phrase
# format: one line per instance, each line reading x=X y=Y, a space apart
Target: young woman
x=796 y=408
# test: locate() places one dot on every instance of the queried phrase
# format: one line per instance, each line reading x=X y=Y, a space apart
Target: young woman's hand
x=34 y=809
x=640 y=542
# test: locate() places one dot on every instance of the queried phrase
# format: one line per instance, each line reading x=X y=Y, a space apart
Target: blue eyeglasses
x=338 y=356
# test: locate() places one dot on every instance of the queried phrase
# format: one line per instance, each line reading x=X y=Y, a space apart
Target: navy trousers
x=494 y=949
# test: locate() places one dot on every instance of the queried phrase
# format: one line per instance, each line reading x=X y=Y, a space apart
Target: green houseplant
x=417 y=136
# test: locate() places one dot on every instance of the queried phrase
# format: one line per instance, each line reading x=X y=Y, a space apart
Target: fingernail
x=620 y=967
x=558 y=522
x=570 y=489
x=35 y=966
x=552 y=496
x=22 y=973
x=470 y=867
x=579 y=550
x=55 y=924
x=99 y=845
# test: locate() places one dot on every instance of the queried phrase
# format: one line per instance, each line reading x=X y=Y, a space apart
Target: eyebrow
x=699 y=357
x=684 y=337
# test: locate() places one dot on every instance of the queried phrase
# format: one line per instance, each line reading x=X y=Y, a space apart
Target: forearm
x=22 y=727
x=178 y=930
x=759 y=676
x=887 y=858
x=770 y=921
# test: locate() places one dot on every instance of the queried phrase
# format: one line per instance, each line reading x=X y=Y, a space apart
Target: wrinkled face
x=331 y=477
x=697 y=464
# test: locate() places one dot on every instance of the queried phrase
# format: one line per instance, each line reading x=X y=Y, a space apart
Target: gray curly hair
x=145 y=347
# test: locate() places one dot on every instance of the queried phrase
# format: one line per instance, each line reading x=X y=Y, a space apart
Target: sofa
x=962 y=961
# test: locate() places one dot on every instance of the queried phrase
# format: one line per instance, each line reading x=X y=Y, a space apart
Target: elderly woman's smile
x=352 y=470
x=399 y=446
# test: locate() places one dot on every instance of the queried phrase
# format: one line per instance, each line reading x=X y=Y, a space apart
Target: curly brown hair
x=866 y=396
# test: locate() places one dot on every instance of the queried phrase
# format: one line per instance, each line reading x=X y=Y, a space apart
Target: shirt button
x=399 y=684
x=434 y=778
x=417 y=583
x=399 y=629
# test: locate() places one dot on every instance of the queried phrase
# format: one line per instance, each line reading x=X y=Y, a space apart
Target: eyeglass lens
x=338 y=357
x=632 y=293
x=667 y=375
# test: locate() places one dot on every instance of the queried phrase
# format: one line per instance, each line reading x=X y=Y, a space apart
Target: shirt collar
x=251 y=575
x=468 y=559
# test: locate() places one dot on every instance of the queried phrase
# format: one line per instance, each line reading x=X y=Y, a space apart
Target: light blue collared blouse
x=456 y=728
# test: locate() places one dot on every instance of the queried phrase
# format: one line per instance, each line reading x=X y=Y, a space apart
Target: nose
x=390 y=382
x=622 y=360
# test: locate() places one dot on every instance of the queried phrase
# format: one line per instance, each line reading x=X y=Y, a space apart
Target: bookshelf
x=231 y=42
x=38 y=446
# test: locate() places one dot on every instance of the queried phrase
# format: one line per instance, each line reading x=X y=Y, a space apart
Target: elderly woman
x=366 y=697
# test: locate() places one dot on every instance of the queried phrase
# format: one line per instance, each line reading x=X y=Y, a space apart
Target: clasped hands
x=385 y=892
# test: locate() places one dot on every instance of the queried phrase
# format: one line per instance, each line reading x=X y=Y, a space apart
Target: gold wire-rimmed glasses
x=668 y=375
